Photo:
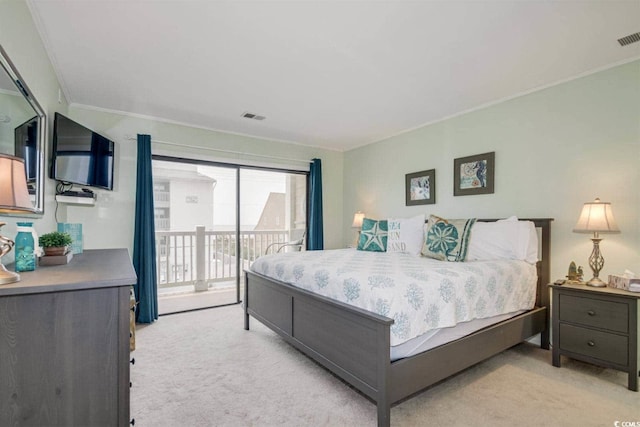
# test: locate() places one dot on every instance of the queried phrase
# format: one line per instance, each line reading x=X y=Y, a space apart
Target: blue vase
x=25 y=248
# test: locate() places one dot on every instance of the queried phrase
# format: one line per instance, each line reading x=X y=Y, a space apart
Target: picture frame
x=420 y=188
x=474 y=174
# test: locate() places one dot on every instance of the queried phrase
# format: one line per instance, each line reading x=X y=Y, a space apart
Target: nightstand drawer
x=613 y=316
x=601 y=345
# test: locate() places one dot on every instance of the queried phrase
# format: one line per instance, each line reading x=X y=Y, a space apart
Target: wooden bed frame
x=354 y=344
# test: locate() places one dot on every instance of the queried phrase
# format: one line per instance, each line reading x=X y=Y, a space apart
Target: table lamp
x=357 y=220
x=14 y=198
x=596 y=217
x=357 y=223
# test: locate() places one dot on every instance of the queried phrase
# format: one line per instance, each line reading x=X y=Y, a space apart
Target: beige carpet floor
x=203 y=369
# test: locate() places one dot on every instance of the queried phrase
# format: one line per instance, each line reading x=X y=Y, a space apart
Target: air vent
x=252 y=116
x=631 y=38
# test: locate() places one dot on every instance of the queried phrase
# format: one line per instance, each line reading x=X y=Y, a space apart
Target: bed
x=355 y=343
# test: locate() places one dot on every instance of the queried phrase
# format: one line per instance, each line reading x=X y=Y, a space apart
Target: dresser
x=64 y=343
x=597 y=325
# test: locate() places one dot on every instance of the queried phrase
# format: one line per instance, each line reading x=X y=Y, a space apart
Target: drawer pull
x=133 y=421
x=591 y=313
x=591 y=343
x=132 y=361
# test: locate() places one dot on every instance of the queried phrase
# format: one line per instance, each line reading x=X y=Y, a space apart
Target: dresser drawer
x=600 y=345
x=610 y=315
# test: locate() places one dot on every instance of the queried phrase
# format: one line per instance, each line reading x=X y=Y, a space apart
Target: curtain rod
x=155 y=141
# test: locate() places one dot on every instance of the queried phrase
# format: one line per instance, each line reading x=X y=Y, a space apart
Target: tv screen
x=81 y=156
x=26 y=147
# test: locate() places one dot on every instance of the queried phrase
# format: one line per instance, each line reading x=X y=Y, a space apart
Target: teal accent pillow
x=373 y=235
x=447 y=239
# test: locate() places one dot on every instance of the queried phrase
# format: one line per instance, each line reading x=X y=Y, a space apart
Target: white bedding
x=420 y=294
x=438 y=337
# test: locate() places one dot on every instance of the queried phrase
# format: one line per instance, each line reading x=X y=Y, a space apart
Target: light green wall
x=555 y=149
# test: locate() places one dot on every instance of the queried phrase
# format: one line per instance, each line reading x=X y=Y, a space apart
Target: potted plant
x=55 y=243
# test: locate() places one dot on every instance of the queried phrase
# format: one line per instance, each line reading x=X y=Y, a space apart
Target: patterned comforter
x=420 y=294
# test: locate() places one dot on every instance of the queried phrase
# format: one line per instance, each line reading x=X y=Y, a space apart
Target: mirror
x=22 y=128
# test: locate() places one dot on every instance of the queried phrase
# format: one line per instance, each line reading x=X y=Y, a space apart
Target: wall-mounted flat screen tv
x=26 y=147
x=81 y=156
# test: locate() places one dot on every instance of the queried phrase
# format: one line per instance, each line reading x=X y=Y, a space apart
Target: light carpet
x=203 y=369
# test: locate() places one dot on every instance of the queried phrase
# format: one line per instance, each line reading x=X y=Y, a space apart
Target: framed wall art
x=474 y=174
x=421 y=188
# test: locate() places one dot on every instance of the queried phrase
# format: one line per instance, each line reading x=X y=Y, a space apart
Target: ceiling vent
x=252 y=116
x=631 y=38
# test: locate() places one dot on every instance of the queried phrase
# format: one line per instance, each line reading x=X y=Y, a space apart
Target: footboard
x=351 y=342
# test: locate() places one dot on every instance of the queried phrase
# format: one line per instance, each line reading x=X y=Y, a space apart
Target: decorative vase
x=25 y=247
x=55 y=250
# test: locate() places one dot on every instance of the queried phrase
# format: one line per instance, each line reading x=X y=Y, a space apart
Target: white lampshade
x=14 y=195
x=596 y=217
x=357 y=220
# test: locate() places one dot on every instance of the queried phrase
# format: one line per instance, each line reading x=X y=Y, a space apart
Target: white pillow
x=405 y=234
x=504 y=239
x=527 y=230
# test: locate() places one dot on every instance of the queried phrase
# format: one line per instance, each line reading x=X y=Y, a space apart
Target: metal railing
x=202 y=258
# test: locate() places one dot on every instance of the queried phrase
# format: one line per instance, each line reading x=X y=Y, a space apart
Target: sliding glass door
x=213 y=220
x=195 y=217
x=273 y=213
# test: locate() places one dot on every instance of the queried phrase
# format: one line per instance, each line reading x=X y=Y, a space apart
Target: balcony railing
x=203 y=258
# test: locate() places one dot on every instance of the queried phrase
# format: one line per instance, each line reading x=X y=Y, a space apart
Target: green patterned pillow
x=373 y=235
x=447 y=240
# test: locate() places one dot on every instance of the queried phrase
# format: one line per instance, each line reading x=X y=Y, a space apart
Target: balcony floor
x=184 y=298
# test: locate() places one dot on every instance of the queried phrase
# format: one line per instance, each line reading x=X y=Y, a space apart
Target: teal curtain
x=315 y=238
x=144 y=240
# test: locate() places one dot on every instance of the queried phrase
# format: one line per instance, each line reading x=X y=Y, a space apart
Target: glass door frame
x=238 y=168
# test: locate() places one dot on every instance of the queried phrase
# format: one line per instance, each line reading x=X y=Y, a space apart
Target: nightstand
x=596 y=325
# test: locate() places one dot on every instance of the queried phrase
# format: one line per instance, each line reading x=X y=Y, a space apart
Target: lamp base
x=596 y=283
x=7 y=276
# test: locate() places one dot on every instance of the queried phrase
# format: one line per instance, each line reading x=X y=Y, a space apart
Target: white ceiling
x=336 y=74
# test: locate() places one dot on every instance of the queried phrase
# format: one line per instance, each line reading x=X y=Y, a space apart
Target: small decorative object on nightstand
x=575 y=274
x=596 y=217
x=597 y=325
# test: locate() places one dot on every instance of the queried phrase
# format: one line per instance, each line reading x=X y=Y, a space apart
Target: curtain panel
x=315 y=239
x=144 y=241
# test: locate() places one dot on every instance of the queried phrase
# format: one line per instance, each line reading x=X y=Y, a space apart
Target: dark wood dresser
x=64 y=343
x=597 y=325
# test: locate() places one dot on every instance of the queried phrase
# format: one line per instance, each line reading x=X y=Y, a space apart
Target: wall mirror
x=22 y=128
